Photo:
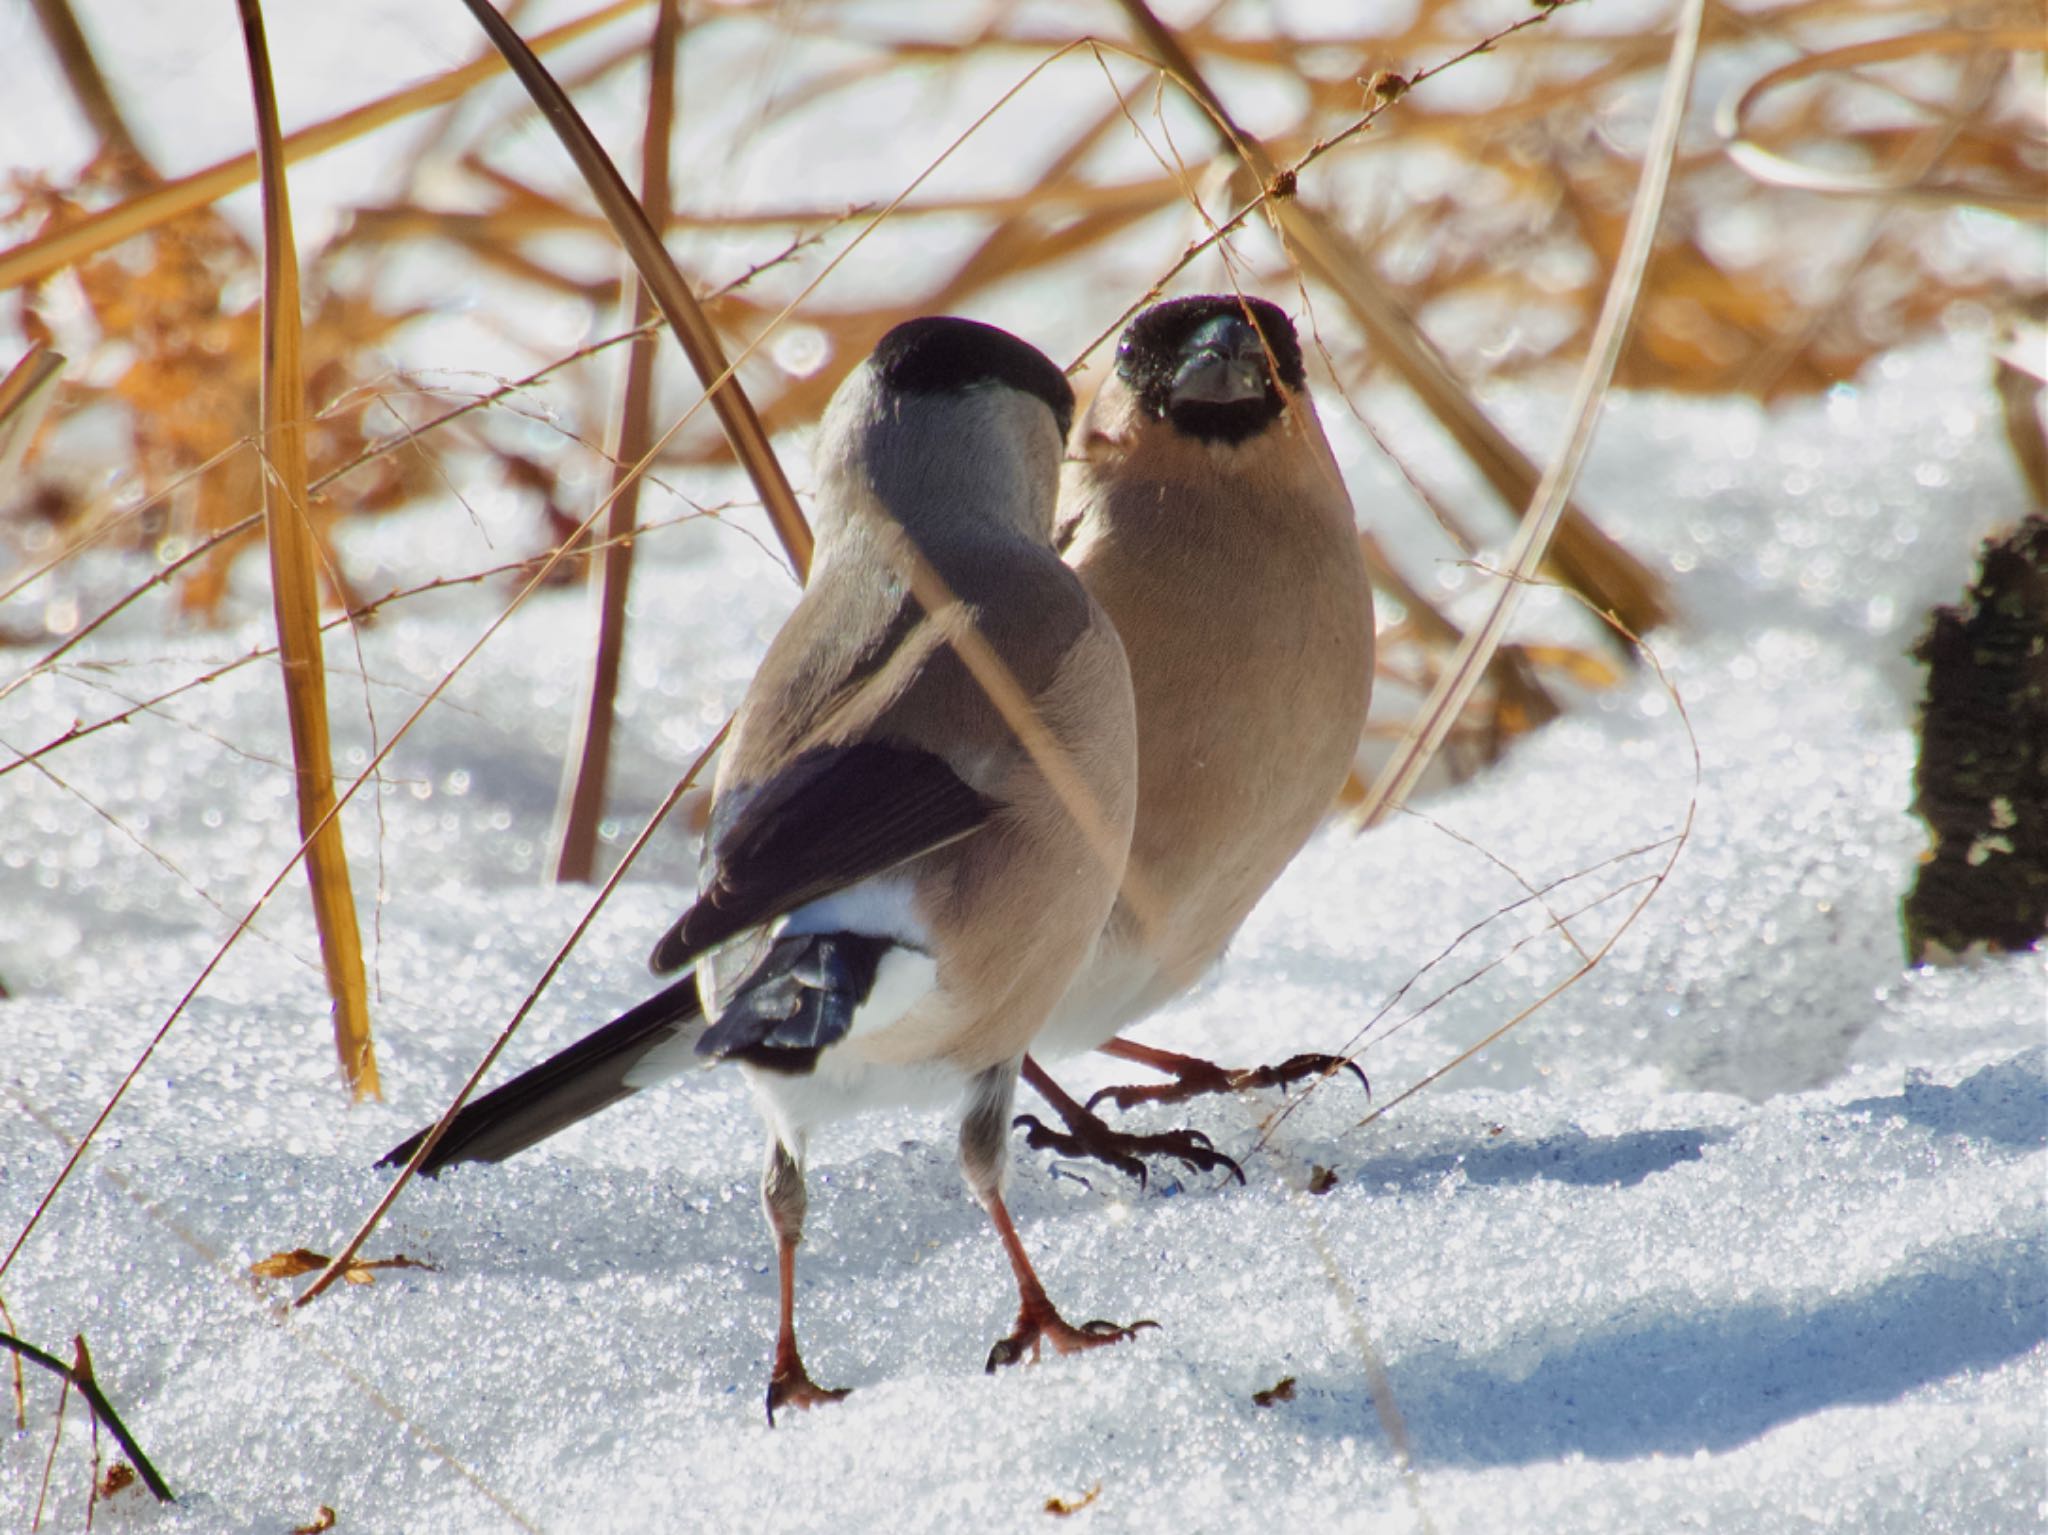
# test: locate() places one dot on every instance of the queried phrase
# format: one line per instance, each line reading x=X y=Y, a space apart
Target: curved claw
x=1063 y=1336
x=1039 y=1138
x=1091 y=1139
x=1197 y=1079
x=1112 y=1332
x=799 y=1390
x=1313 y=1064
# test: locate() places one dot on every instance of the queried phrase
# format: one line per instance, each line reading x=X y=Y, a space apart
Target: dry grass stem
x=295 y=591
x=587 y=765
x=79 y=1373
x=664 y=283
x=26 y=394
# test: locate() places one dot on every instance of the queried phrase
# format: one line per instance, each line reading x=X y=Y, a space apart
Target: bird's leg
x=784 y=1200
x=1087 y=1135
x=984 y=1156
x=1193 y=1076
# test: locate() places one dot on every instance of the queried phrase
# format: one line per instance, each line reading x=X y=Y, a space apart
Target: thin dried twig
x=1651 y=885
x=337 y=1268
x=236 y=1279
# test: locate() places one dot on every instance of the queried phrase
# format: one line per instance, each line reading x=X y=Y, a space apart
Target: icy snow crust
x=1743 y=1233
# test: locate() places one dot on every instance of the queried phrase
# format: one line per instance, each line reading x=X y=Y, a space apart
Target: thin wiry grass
x=340 y=1262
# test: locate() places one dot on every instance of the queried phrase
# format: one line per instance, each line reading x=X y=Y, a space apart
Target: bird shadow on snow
x=1574 y=1157
x=2006 y=1103
x=1676 y=1383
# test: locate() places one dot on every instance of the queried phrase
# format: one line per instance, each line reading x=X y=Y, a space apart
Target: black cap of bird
x=922 y=812
x=1203 y=509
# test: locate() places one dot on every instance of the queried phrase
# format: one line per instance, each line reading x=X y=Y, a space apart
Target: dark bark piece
x=1982 y=780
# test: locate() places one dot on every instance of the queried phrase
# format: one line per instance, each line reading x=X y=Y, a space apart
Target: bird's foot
x=1037 y=1327
x=1193 y=1077
x=1088 y=1136
x=791 y=1386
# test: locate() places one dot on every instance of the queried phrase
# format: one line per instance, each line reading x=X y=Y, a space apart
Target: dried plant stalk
x=589 y=761
x=337 y=1267
x=89 y=89
x=295 y=589
x=79 y=1374
x=658 y=272
x=25 y=396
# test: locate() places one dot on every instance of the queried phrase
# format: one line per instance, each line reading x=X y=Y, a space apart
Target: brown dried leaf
x=1281 y=1390
x=288 y=1265
x=1061 y=1508
x=120 y=1475
x=1582 y=666
x=322 y=1521
x=303 y=1260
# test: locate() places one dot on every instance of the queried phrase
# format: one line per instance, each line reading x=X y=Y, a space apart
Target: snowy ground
x=1743 y=1233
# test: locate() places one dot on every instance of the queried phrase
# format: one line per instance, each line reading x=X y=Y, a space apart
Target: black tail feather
x=589 y=1076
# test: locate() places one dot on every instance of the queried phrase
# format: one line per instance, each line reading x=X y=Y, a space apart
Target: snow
x=1743 y=1231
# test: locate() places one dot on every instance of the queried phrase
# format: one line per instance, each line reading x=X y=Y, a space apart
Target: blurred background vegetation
x=1488 y=204
x=1853 y=178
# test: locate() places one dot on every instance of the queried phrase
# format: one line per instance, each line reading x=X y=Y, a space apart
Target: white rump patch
x=675 y=1055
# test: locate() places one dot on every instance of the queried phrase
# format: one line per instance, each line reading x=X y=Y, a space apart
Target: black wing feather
x=833 y=818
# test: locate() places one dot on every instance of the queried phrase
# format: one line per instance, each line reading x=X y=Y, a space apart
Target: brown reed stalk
x=588 y=764
x=671 y=293
x=295 y=591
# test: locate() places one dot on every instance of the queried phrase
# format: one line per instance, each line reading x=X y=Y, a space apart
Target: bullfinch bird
x=1202 y=508
x=922 y=813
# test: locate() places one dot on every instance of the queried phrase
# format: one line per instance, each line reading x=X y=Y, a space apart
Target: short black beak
x=1222 y=363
